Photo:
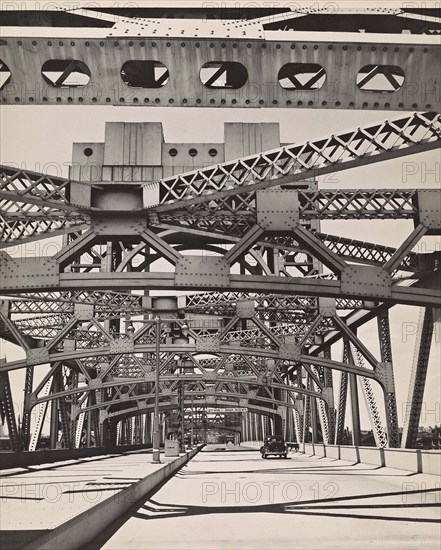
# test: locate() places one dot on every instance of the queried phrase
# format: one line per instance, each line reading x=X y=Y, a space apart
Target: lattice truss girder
x=289 y=164
x=28 y=198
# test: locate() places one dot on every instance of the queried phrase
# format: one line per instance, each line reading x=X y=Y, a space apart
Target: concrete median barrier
x=84 y=527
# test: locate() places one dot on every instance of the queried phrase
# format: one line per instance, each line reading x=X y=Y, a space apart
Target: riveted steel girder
x=260 y=70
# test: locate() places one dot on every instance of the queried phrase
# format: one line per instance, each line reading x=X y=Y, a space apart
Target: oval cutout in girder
x=223 y=74
x=302 y=76
x=65 y=73
x=380 y=78
x=5 y=74
x=144 y=74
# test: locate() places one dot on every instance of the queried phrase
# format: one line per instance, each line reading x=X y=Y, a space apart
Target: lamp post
x=192 y=425
x=156 y=434
x=184 y=333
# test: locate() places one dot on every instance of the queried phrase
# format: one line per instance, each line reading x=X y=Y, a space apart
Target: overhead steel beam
x=242 y=283
x=260 y=69
x=204 y=223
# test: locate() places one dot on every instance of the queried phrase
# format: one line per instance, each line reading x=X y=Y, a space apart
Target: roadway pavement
x=232 y=499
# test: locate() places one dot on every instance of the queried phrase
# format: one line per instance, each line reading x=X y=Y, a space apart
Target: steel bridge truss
x=277 y=299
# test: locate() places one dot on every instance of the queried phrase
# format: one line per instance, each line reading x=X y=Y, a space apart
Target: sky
x=40 y=138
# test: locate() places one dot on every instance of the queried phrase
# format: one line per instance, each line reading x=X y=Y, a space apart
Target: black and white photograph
x=220 y=275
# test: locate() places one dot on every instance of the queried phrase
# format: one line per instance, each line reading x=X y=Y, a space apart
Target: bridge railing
x=413 y=460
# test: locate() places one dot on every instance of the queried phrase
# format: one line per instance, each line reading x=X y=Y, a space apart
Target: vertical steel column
x=75 y=424
x=313 y=413
x=66 y=431
x=330 y=388
x=127 y=431
x=289 y=421
x=138 y=428
x=156 y=429
x=204 y=423
x=88 y=419
x=374 y=414
x=306 y=419
x=95 y=419
x=147 y=428
x=192 y=424
x=118 y=433
x=133 y=426
x=417 y=380
x=390 y=400
x=259 y=425
x=130 y=430
x=141 y=428
x=355 y=405
x=264 y=426
x=341 y=413
x=26 y=422
x=284 y=422
x=181 y=416
x=355 y=409
x=100 y=428
x=297 y=423
x=54 y=409
x=7 y=410
x=65 y=424
x=41 y=410
x=122 y=433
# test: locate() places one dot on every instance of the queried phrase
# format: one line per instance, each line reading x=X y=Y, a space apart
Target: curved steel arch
x=192 y=379
x=65 y=356
x=170 y=406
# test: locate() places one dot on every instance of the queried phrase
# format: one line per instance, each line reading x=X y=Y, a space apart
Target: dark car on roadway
x=274 y=445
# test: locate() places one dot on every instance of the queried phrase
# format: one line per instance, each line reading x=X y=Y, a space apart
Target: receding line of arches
x=196 y=393
x=221 y=399
x=168 y=405
x=124 y=385
x=73 y=73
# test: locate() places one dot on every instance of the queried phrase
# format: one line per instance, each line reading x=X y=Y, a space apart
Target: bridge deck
x=225 y=499
x=37 y=499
